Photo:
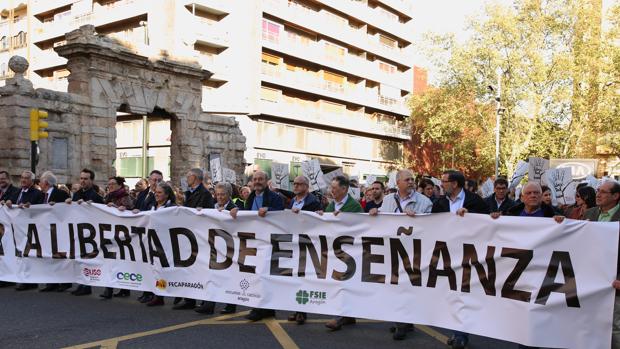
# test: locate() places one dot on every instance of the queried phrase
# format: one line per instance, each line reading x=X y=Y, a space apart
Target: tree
x=556 y=65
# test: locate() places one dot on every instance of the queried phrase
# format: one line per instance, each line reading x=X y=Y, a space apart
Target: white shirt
x=299 y=204
x=458 y=202
x=499 y=203
x=338 y=205
x=223 y=207
x=21 y=193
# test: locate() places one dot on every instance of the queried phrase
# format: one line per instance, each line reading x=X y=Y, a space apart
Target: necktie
x=46 y=198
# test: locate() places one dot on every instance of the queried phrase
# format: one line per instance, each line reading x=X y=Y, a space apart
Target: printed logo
x=185 y=284
x=129 y=279
x=161 y=284
x=244 y=285
x=93 y=274
x=304 y=297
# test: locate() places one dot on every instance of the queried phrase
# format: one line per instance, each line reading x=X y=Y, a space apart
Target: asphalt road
x=32 y=319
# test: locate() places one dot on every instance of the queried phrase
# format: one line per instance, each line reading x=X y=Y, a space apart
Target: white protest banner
x=537 y=169
x=355 y=193
x=215 y=166
x=370 y=179
x=280 y=176
x=521 y=170
x=329 y=177
x=560 y=180
x=312 y=170
x=229 y=175
x=526 y=280
x=593 y=182
x=487 y=188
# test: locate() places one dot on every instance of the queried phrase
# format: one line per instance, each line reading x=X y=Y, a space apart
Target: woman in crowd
x=117 y=197
x=585 y=198
x=548 y=200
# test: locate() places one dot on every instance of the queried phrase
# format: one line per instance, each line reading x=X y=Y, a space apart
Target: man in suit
x=343 y=202
x=52 y=195
x=608 y=210
x=261 y=200
x=458 y=200
x=145 y=200
x=28 y=195
x=302 y=201
x=197 y=196
x=8 y=192
x=499 y=200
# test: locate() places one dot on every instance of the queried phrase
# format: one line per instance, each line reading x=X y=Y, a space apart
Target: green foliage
x=559 y=85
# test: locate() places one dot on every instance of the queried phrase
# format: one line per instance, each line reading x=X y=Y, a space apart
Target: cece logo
x=129 y=276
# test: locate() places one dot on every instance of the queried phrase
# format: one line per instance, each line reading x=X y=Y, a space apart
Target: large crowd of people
x=456 y=194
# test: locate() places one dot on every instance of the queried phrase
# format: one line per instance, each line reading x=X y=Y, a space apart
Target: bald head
x=301 y=184
x=404 y=181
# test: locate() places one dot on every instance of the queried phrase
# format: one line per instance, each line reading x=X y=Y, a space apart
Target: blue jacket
x=270 y=199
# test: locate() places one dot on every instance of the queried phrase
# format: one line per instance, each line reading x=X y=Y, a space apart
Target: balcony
x=351 y=121
x=315 y=52
x=323 y=23
x=215 y=64
x=211 y=33
x=46 y=59
x=350 y=93
x=213 y=6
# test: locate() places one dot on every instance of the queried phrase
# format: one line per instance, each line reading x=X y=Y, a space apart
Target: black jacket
x=310 y=204
x=230 y=205
x=270 y=199
x=57 y=195
x=201 y=197
x=144 y=201
x=503 y=208
x=168 y=203
x=473 y=204
x=33 y=196
x=11 y=193
x=88 y=195
x=548 y=211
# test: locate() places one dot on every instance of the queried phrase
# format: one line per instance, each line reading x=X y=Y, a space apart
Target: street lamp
x=498 y=112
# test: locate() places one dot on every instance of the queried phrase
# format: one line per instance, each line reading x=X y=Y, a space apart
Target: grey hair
x=226 y=186
x=401 y=172
x=32 y=176
x=50 y=178
x=198 y=173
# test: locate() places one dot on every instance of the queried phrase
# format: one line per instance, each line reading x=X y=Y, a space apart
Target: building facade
x=305 y=79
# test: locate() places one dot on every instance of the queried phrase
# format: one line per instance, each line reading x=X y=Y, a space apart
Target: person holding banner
x=164 y=197
x=262 y=200
x=302 y=201
x=86 y=193
x=8 y=192
x=223 y=202
x=458 y=200
x=343 y=202
x=377 y=190
x=499 y=200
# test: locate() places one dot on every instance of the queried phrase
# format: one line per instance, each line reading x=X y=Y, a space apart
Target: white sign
x=370 y=179
x=520 y=171
x=537 y=169
x=355 y=193
x=593 y=182
x=329 y=177
x=487 y=188
x=580 y=168
x=312 y=170
x=542 y=283
x=280 y=176
x=215 y=164
x=560 y=180
x=392 y=180
x=230 y=176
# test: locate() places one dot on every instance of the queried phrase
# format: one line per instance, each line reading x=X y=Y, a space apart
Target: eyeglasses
x=299 y=183
x=604 y=191
x=408 y=179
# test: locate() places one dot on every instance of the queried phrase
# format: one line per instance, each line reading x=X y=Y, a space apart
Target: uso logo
x=95 y=272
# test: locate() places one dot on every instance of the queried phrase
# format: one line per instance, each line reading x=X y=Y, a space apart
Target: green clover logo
x=302 y=297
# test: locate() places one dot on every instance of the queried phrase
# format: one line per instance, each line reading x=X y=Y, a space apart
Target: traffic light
x=38 y=126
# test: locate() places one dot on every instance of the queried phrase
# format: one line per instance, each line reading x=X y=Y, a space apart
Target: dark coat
x=88 y=195
x=57 y=195
x=12 y=192
x=230 y=205
x=311 y=204
x=270 y=199
x=473 y=204
x=548 y=211
x=168 y=203
x=201 y=197
x=33 y=196
x=503 y=208
x=144 y=201
x=593 y=213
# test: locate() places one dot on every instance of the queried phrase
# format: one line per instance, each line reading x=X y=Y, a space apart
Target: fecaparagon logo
x=161 y=284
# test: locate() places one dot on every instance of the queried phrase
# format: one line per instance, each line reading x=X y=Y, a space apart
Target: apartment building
x=324 y=79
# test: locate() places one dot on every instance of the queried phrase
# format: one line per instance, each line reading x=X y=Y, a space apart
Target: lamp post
x=498 y=112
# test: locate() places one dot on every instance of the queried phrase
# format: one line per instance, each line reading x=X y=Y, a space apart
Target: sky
x=450 y=16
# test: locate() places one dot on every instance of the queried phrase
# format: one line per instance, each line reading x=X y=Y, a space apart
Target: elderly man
x=499 y=200
x=608 y=210
x=532 y=204
x=302 y=201
x=52 y=195
x=261 y=200
x=28 y=194
x=197 y=196
x=8 y=192
x=408 y=201
x=343 y=202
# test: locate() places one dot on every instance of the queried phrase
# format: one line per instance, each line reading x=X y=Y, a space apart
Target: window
x=131 y=137
x=387 y=42
x=271 y=31
x=270 y=94
x=333 y=82
x=334 y=52
x=270 y=59
x=387 y=14
x=3 y=70
x=387 y=68
x=19 y=40
x=4 y=43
